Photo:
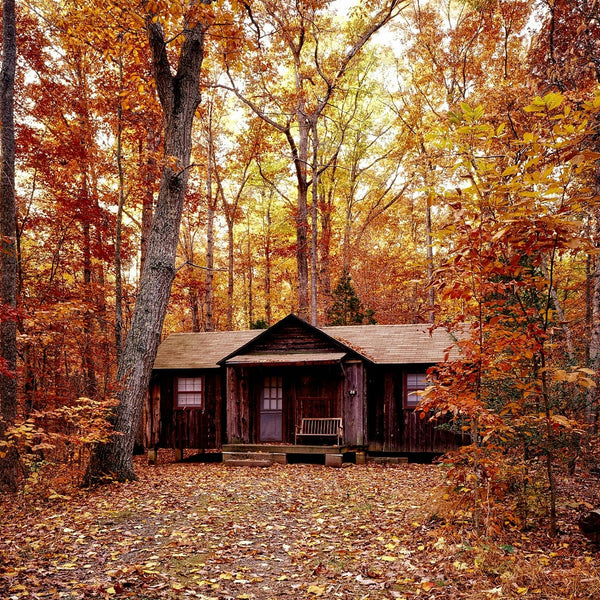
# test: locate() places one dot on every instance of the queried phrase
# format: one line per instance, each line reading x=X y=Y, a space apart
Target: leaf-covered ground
x=295 y=531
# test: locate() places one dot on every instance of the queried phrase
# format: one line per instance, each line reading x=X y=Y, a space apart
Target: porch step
x=247 y=462
x=253 y=459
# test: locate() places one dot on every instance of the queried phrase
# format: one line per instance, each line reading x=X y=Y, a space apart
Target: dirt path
x=209 y=531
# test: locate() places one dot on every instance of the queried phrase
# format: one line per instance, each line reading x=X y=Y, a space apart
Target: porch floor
x=288 y=448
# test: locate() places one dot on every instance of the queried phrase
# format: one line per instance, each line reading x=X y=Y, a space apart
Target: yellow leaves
x=546 y=104
x=471 y=114
x=317 y=590
x=511 y=170
x=460 y=566
x=522 y=591
x=581 y=376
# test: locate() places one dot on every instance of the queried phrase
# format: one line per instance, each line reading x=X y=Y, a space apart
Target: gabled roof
x=291 y=321
x=379 y=344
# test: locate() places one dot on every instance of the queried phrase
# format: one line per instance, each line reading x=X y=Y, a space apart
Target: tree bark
x=314 y=213
x=152 y=145
x=210 y=232
x=119 y=224
x=8 y=260
x=429 y=241
x=179 y=95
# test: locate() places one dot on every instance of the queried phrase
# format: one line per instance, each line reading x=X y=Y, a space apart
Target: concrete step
x=261 y=458
x=247 y=462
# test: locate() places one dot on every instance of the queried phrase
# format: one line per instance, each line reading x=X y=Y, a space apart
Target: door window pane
x=272 y=393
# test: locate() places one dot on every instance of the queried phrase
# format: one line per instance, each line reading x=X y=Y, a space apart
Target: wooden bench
x=321 y=427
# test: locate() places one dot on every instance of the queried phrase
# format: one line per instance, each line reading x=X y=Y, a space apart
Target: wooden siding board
x=353 y=413
x=293 y=338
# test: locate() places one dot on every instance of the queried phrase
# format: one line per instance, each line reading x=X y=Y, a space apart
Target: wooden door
x=271 y=409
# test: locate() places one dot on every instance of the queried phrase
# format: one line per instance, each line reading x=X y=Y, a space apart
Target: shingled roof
x=201 y=350
x=395 y=344
x=380 y=344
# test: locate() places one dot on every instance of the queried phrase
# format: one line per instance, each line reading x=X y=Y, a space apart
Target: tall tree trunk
x=8 y=259
x=119 y=225
x=300 y=160
x=268 y=260
x=210 y=232
x=250 y=272
x=230 y=273
x=591 y=404
x=314 y=213
x=179 y=96
x=429 y=241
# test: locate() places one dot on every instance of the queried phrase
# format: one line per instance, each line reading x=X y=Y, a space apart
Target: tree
x=346 y=308
x=179 y=95
x=8 y=260
x=300 y=41
x=514 y=221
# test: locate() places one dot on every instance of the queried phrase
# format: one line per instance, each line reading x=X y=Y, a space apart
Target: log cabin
x=297 y=389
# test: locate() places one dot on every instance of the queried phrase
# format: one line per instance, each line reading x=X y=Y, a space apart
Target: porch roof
x=289 y=358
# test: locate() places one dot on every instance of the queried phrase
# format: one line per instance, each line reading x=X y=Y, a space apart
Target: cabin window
x=190 y=392
x=273 y=393
x=414 y=383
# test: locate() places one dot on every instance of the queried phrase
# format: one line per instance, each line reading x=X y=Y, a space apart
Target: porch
x=263 y=455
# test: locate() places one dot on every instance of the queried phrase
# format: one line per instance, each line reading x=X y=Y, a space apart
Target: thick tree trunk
x=8 y=259
x=179 y=96
x=152 y=146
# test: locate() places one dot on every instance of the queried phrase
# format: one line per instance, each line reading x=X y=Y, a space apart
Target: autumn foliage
x=438 y=159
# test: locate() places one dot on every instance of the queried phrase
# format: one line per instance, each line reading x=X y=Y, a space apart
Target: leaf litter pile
x=299 y=531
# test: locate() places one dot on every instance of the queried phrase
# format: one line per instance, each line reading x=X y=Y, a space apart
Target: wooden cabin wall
x=293 y=338
x=201 y=428
x=394 y=428
x=168 y=427
x=151 y=416
x=354 y=416
x=238 y=406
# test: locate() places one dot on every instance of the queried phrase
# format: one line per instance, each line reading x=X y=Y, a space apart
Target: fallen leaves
x=299 y=531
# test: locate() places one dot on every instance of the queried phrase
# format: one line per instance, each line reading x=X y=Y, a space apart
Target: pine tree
x=347 y=309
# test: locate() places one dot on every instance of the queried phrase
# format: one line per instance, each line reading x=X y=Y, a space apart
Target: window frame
x=421 y=384
x=180 y=394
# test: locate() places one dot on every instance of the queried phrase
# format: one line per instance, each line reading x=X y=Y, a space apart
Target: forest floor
x=207 y=531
